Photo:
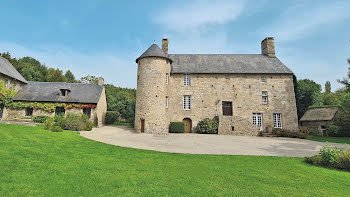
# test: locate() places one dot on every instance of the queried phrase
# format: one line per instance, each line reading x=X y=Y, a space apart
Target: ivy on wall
x=6 y=95
x=49 y=107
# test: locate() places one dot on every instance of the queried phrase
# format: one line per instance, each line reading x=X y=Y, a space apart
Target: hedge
x=208 y=126
x=40 y=119
x=177 y=127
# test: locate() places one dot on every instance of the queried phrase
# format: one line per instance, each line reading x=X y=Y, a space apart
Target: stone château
x=248 y=93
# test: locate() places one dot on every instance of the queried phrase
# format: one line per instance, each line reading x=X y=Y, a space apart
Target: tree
x=89 y=79
x=327 y=87
x=55 y=75
x=332 y=99
x=346 y=80
x=70 y=77
x=308 y=94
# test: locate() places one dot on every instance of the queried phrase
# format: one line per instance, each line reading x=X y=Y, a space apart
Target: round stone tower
x=152 y=91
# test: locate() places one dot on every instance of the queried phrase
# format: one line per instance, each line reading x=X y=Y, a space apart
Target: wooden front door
x=142 y=125
x=188 y=125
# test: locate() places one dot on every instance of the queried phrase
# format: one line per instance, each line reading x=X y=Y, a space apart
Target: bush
x=75 y=122
x=333 y=130
x=56 y=129
x=48 y=124
x=331 y=157
x=208 y=126
x=131 y=121
x=40 y=119
x=60 y=121
x=328 y=155
x=112 y=116
x=302 y=134
x=177 y=127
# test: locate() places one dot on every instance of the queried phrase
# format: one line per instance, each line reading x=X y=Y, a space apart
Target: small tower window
x=166 y=78
x=166 y=102
x=263 y=79
x=187 y=103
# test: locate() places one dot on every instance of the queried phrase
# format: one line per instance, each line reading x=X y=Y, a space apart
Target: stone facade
x=160 y=96
x=99 y=113
x=11 y=82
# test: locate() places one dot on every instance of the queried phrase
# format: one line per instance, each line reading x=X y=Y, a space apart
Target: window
x=227 y=77
x=263 y=79
x=166 y=78
x=187 y=103
x=87 y=111
x=187 y=80
x=60 y=111
x=227 y=108
x=277 y=120
x=166 y=102
x=29 y=111
x=264 y=97
x=64 y=92
x=6 y=82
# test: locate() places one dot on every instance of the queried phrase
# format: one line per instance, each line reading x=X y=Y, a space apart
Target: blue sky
x=104 y=38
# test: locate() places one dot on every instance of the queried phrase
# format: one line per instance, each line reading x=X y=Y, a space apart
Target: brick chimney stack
x=165 y=44
x=268 y=47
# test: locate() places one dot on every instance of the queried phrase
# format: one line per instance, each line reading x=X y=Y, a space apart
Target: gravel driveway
x=206 y=144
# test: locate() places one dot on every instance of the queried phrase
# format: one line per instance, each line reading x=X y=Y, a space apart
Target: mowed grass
x=35 y=162
x=345 y=140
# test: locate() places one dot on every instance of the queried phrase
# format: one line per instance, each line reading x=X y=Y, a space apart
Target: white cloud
x=305 y=18
x=197 y=15
x=120 y=71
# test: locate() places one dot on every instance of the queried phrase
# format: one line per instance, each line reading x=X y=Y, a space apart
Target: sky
x=103 y=38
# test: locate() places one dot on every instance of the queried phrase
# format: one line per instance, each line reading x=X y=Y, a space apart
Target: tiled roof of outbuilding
x=49 y=92
x=320 y=114
x=227 y=63
x=154 y=51
x=6 y=68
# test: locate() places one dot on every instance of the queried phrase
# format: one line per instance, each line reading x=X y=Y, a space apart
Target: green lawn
x=330 y=139
x=35 y=162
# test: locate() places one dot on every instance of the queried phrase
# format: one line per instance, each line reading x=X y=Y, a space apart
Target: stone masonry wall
x=151 y=95
x=99 y=113
x=207 y=92
x=17 y=84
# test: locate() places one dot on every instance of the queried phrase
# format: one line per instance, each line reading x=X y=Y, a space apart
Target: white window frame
x=6 y=83
x=263 y=79
x=167 y=78
x=264 y=97
x=187 y=80
x=166 y=102
x=258 y=120
x=277 y=120
x=187 y=102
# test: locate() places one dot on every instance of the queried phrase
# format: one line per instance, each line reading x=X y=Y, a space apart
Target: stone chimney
x=165 y=44
x=100 y=81
x=268 y=47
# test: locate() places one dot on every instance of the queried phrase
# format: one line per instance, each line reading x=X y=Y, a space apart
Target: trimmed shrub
x=76 y=122
x=177 y=127
x=112 y=116
x=333 y=130
x=208 y=126
x=56 y=129
x=40 y=119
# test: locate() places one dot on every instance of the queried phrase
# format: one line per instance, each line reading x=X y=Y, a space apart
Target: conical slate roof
x=154 y=51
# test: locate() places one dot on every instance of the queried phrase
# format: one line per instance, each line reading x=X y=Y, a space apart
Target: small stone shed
x=316 y=119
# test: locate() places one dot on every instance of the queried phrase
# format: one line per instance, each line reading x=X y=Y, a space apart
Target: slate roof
x=49 y=92
x=227 y=63
x=320 y=114
x=154 y=51
x=6 y=68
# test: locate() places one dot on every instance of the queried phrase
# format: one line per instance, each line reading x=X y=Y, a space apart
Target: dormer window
x=64 y=92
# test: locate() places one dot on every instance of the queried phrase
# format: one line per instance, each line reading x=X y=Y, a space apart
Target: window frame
x=187 y=80
x=263 y=79
x=167 y=78
x=264 y=97
x=187 y=102
x=6 y=83
x=230 y=106
x=277 y=120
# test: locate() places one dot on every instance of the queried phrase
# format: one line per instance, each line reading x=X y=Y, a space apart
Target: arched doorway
x=188 y=125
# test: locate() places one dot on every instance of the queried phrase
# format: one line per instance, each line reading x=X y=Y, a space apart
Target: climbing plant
x=49 y=107
x=6 y=95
